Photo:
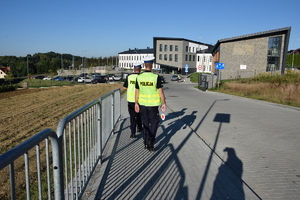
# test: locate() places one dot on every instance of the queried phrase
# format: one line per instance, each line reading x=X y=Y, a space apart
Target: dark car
x=83 y=74
x=39 y=77
x=75 y=79
x=59 y=78
x=99 y=79
x=162 y=79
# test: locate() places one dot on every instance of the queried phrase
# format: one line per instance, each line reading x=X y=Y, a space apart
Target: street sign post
x=186 y=68
x=219 y=66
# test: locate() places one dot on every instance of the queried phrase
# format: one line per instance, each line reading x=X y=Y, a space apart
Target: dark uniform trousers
x=150 y=120
x=135 y=119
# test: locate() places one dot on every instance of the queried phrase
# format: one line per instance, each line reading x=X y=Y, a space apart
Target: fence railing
x=76 y=148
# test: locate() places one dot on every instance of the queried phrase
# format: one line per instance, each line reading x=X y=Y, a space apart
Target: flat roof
x=285 y=30
x=138 y=51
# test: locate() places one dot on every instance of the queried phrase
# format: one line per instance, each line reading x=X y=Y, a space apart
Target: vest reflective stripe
x=131 y=87
x=148 y=94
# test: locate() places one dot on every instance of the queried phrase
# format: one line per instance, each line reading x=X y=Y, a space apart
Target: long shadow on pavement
x=134 y=173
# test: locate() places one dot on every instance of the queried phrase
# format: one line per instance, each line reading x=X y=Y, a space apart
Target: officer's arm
x=136 y=105
x=163 y=99
x=125 y=85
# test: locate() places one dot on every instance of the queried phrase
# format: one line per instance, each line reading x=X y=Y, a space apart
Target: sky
x=103 y=28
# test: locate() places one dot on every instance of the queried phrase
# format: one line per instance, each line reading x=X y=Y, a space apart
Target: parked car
x=39 y=77
x=162 y=79
x=83 y=74
x=59 y=78
x=68 y=78
x=174 y=77
x=95 y=74
x=75 y=79
x=48 y=78
x=113 y=77
x=117 y=78
x=100 y=79
x=84 y=80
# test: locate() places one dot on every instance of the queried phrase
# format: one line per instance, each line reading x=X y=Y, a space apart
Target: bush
x=35 y=83
x=7 y=88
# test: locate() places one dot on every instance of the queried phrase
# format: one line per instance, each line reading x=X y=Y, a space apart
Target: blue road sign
x=186 y=67
x=220 y=66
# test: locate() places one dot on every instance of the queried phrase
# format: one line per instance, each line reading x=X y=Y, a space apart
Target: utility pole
x=62 y=64
x=27 y=68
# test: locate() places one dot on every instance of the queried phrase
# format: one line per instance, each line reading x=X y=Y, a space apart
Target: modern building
x=248 y=55
x=128 y=58
x=179 y=55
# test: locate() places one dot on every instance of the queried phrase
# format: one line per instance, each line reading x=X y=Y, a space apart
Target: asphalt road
x=265 y=136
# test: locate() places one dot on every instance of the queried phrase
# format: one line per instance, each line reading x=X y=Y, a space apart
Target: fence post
x=99 y=130
x=57 y=168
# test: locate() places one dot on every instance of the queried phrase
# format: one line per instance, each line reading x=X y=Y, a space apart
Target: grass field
x=281 y=89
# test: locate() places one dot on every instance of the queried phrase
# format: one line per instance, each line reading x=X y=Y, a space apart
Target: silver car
x=84 y=80
x=174 y=77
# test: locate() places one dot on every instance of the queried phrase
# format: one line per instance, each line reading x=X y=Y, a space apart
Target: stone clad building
x=247 y=55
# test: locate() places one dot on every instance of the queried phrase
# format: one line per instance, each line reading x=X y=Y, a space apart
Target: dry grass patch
x=287 y=94
x=27 y=112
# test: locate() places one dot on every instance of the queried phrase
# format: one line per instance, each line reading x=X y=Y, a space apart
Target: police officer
x=148 y=97
x=129 y=84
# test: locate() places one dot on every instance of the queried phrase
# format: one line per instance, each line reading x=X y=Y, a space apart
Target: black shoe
x=150 y=147
x=132 y=136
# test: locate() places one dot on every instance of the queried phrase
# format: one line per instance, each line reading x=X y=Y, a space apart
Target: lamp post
x=293 y=56
x=202 y=55
x=293 y=60
x=62 y=64
x=27 y=67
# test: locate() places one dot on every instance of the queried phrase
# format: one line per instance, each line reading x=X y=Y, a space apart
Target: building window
x=204 y=58
x=186 y=57
x=190 y=58
x=166 y=57
x=198 y=57
x=160 y=47
x=166 y=47
x=186 y=49
x=176 y=57
x=274 y=52
x=210 y=58
x=171 y=47
x=160 y=56
x=193 y=57
x=176 y=47
x=189 y=49
x=170 y=57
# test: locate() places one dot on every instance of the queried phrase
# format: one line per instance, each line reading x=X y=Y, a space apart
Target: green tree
x=9 y=77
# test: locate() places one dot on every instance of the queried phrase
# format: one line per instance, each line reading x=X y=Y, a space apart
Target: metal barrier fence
x=76 y=148
x=202 y=82
x=206 y=81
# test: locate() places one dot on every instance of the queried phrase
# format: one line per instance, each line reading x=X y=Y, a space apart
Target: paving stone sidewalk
x=182 y=166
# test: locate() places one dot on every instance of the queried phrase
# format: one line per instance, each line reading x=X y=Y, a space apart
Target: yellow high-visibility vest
x=131 y=88
x=148 y=94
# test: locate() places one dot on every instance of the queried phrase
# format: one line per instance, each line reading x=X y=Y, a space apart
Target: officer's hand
x=163 y=107
x=137 y=108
